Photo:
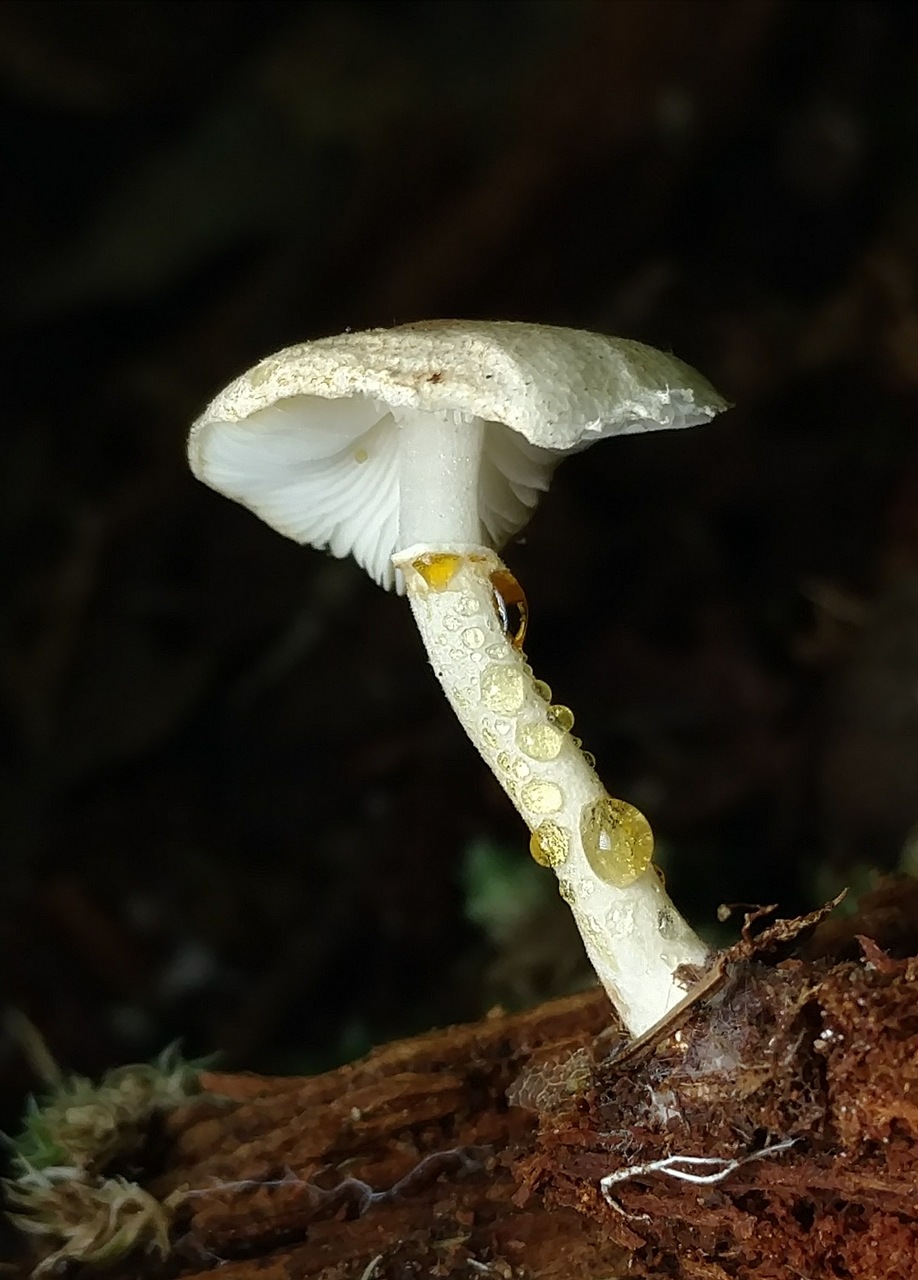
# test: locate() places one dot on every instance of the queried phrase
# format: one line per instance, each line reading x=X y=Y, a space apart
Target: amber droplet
x=437 y=568
x=617 y=840
x=511 y=606
x=549 y=844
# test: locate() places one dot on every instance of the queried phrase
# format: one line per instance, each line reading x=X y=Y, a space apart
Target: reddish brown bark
x=823 y=1058
x=480 y=1150
x=430 y=1114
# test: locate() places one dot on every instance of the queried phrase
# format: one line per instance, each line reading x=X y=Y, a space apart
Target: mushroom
x=419 y=450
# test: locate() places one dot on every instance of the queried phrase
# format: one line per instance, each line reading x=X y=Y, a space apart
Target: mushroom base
x=635 y=938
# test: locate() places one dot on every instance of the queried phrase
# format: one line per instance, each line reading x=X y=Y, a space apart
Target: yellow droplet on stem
x=542 y=796
x=502 y=688
x=437 y=568
x=516 y=766
x=549 y=844
x=617 y=840
x=540 y=740
x=562 y=716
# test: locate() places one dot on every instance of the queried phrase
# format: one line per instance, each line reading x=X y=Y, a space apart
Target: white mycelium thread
x=633 y=934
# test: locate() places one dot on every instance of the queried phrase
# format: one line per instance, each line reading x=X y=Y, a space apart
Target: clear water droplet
x=502 y=688
x=473 y=637
x=666 y=923
x=542 y=796
x=466 y=606
x=540 y=740
x=549 y=844
x=617 y=840
x=502 y=726
x=542 y=689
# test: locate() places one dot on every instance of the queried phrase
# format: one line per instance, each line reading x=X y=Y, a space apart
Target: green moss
x=88 y=1126
x=71 y=1139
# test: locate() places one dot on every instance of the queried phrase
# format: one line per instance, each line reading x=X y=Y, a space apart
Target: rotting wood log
x=769 y=1130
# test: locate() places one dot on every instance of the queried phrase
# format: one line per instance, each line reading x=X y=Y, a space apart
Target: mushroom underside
x=329 y=473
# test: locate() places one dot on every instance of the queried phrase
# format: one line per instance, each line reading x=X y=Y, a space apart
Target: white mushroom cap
x=309 y=438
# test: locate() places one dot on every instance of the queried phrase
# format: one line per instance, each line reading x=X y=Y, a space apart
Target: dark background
x=235 y=807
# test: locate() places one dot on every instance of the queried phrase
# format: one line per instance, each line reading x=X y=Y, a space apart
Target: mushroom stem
x=635 y=938
x=440 y=458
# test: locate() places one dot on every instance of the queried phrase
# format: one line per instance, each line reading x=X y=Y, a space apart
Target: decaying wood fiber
x=480 y=1150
